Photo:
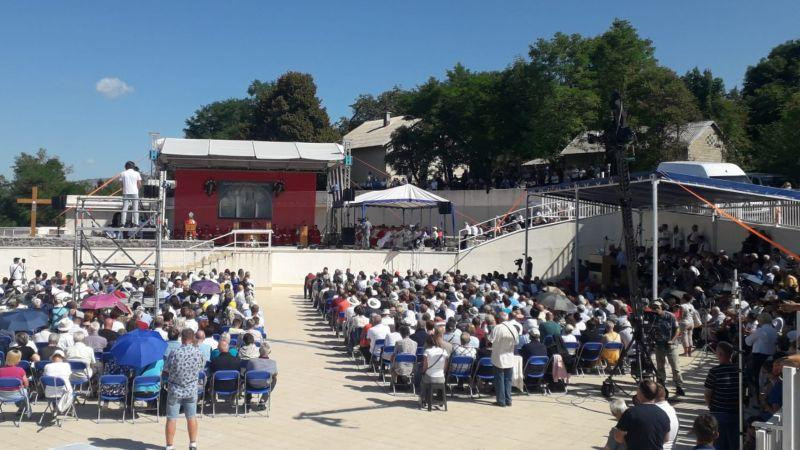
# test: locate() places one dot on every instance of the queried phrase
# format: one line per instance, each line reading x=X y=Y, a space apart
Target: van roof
x=711 y=169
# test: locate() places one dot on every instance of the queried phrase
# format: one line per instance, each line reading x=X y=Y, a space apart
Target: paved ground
x=322 y=400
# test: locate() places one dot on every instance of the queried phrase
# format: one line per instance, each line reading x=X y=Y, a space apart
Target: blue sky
x=164 y=59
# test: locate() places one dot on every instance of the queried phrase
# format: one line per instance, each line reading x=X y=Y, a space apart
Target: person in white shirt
x=434 y=362
x=763 y=340
x=83 y=353
x=377 y=331
x=504 y=339
x=15 y=270
x=65 y=340
x=674 y=424
x=131 y=183
x=59 y=368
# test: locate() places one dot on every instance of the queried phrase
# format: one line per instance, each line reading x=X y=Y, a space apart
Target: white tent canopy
x=406 y=196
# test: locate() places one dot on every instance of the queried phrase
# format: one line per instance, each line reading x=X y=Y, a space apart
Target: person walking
x=182 y=367
x=666 y=334
x=504 y=338
x=131 y=183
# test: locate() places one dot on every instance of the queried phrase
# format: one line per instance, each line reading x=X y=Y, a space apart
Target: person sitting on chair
x=534 y=347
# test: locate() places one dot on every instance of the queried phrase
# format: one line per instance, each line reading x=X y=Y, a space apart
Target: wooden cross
x=33 y=201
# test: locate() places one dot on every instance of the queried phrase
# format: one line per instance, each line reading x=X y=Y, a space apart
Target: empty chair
x=14 y=392
x=257 y=382
x=460 y=371
x=113 y=383
x=535 y=370
x=145 y=389
x=589 y=354
x=484 y=372
x=222 y=376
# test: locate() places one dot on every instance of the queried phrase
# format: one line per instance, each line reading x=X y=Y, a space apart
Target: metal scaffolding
x=101 y=248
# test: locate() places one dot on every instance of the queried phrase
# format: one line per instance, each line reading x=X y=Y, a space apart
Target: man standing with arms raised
x=182 y=366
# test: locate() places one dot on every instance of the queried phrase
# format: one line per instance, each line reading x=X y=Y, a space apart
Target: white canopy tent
x=403 y=197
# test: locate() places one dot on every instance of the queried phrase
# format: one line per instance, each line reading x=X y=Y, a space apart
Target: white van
x=719 y=171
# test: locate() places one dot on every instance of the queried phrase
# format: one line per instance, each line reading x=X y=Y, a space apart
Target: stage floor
x=323 y=401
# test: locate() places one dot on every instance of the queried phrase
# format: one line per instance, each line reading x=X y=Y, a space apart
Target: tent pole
x=576 y=250
x=654 y=183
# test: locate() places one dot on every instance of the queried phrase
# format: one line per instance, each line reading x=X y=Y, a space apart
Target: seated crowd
x=77 y=345
x=455 y=314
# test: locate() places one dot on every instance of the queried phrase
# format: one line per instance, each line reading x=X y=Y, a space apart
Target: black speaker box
x=348 y=235
x=445 y=207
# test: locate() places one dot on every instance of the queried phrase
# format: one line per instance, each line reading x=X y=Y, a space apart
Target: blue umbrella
x=24 y=320
x=138 y=348
x=204 y=287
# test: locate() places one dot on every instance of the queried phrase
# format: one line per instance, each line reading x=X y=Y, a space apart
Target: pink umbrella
x=102 y=301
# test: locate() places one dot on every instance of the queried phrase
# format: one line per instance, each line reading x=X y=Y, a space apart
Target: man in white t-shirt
x=131 y=182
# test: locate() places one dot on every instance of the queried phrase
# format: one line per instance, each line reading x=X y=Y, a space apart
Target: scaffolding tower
x=101 y=248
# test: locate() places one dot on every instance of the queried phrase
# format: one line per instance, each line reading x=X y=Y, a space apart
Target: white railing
x=781 y=431
x=543 y=211
x=777 y=213
x=249 y=242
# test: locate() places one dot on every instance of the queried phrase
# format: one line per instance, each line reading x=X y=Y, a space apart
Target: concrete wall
x=551 y=247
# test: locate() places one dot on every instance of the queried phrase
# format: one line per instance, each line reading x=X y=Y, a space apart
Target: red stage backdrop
x=291 y=208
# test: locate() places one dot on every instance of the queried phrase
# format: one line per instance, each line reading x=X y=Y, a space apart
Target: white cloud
x=113 y=87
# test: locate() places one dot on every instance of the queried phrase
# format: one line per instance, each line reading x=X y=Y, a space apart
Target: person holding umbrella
x=181 y=370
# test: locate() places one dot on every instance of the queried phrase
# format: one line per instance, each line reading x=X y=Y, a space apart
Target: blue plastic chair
x=111 y=381
x=254 y=375
x=536 y=369
x=572 y=347
x=24 y=365
x=404 y=358
x=615 y=346
x=376 y=353
x=53 y=382
x=383 y=363
x=589 y=354
x=2 y=357
x=79 y=379
x=484 y=371
x=202 y=378
x=549 y=340
x=138 y=394
x=9 y=386
x=224 y=375
x=460 y=369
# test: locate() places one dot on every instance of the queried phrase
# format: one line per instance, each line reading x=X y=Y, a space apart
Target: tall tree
x=770 y=84
x=292 y=112
x=724 y=108
x=370 y=107
x=225 y=119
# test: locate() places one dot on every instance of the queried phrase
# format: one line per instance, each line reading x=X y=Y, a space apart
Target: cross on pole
x=33 y=201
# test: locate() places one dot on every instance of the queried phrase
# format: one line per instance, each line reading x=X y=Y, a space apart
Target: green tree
x=780 y=140
x=770 y=84
x=225 y=119
x=46 y=172
x=411 y=153
x=292 y=112
x=724 y=108
x=369 y=107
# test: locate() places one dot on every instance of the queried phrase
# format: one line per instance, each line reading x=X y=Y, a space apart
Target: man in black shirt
x=225 y=361
x=645 y=426
x=534 y=347
x=665 y=329
x=722 y=397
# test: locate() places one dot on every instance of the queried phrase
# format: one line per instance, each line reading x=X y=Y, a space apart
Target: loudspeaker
x=348 y=195
x=59 y=202
x=348 y=235
x=116 y=220
x=150 y=191
x=445 y=207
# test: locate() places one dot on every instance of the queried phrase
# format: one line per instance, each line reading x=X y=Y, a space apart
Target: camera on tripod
x=518 y=263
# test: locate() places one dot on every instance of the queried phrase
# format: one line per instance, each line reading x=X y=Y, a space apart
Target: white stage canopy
x=406 y=196
x=223 y=154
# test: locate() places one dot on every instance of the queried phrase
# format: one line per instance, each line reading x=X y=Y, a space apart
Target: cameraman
x=665 y=334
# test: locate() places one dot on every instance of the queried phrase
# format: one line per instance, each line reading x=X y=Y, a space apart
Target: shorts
x=174 y=407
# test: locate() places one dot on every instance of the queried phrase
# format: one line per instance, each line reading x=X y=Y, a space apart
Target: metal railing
x=780 y=432
x=250 y=244
x=778 y=213
x=543 y=211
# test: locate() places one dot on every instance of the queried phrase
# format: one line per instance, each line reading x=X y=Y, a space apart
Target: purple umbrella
x=103 y=301
x=204 y=287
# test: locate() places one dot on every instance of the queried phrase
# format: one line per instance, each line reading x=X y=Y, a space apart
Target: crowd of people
x=510 y=178
x=697 y=306
x=405 y=237
x=203 y=333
